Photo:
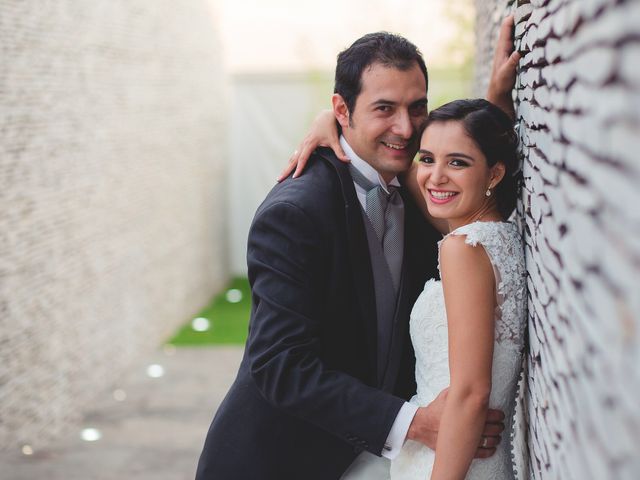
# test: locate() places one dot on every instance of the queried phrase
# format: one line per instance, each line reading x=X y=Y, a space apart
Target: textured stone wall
x=578 y=107
x=112 y=210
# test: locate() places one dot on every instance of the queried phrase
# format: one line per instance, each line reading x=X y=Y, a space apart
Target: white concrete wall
x=578 y=106
x=112 y=195
x=270 y=114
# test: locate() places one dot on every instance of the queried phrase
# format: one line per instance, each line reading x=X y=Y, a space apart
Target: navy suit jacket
x=306 y=399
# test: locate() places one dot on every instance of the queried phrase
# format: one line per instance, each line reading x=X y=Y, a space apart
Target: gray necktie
x=386 y=214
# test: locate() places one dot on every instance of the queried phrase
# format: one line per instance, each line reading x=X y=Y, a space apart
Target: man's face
x=386 y=120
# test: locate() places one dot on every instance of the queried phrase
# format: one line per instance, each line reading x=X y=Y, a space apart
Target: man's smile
x=395 y=146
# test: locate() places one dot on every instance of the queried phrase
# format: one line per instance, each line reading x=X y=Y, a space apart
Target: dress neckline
x=497 y=222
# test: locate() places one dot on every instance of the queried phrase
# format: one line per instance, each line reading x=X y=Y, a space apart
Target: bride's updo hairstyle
x=492 y=131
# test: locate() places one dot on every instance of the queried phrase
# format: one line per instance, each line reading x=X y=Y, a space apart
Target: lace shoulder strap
x=503 y=244
x=501 y=241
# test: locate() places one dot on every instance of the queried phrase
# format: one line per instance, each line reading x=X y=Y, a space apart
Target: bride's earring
x=488 y=192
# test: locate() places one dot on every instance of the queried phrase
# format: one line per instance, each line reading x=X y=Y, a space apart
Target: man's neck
x=363 y=165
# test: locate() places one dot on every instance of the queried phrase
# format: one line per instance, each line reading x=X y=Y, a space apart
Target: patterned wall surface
x=111 y=195
x=578 y=106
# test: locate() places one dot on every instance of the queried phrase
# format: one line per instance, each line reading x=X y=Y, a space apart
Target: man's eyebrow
x=382 y=101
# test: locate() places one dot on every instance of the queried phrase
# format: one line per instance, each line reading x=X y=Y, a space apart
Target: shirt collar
x=364 y=168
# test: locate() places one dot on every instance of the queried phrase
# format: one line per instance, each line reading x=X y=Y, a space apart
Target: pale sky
x=298 y=35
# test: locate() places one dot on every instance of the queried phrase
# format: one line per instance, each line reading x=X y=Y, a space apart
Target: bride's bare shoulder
x=460 y=259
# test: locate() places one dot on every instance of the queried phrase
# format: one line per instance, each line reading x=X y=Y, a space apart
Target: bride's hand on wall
x=503 y=72
x=322 y=133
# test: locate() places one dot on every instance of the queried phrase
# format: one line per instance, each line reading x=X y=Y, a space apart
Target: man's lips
x=396 y=145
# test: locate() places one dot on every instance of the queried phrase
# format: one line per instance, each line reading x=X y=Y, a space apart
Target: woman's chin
x=438 y=215
x=438 y=211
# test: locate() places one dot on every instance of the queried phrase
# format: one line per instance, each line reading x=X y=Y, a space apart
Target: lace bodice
x=428 y=325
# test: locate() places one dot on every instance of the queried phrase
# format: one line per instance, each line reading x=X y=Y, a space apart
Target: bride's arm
x=504 y=69
x=468 y=284
x=322 y=133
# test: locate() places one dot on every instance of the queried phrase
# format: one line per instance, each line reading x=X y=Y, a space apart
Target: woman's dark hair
x=385 y=48
x=492 y=131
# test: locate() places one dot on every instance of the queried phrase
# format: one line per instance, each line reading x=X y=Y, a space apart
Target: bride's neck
x=487 y=213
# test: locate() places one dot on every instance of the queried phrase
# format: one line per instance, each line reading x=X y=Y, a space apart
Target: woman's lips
x=441 y=196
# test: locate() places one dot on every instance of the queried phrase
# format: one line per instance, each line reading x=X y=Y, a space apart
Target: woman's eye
x=458 y=163
x=426 y=159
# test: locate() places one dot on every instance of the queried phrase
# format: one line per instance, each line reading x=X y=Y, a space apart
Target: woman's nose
x=438 y=175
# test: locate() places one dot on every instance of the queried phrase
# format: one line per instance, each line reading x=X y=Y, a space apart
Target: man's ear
x=340 y=110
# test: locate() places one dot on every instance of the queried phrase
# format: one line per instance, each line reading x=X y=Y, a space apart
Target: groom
x=336 y=260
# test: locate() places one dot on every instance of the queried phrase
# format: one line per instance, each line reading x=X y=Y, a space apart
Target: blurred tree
x=453 y=79
x=461 y=50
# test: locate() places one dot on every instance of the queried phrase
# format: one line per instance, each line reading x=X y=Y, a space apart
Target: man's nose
x=403 y=126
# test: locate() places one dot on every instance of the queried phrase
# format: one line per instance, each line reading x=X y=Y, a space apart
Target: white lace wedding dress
x=428 y=325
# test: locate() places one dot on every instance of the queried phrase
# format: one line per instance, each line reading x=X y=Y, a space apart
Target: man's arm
x=426 y=424
x=287 y=261
x=503 y=72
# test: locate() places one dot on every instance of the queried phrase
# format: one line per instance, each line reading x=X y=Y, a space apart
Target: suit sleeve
x=285 y=259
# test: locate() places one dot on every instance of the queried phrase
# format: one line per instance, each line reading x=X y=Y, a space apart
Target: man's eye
x=418 y=110
x=383 y=108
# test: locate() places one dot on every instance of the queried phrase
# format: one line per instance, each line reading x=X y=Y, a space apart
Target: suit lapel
x=359 y=255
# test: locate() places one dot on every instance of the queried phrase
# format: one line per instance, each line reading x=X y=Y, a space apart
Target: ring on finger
x=485 y=442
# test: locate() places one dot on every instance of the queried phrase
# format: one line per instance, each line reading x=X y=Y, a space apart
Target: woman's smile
x=441 y=196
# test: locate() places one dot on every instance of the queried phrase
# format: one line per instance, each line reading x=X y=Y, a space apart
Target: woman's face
x=453 y=174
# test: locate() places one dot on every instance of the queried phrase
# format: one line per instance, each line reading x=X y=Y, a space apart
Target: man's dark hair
x=385 y=48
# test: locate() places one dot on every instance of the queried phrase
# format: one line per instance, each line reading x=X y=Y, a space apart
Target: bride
x=467 y=329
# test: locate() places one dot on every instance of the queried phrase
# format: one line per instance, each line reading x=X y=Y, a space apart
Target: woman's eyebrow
x=463 y=155
x=453 y=154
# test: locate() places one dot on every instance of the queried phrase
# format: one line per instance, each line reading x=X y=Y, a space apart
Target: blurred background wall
x=112 y=198
x=578 y=106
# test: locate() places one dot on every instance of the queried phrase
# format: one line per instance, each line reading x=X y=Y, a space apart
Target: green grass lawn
x=228 y=321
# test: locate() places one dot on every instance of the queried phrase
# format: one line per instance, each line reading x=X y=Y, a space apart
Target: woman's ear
x=497 y=173
x=340 y=110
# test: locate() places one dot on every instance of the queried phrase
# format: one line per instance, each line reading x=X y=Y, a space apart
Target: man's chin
x=401 y=165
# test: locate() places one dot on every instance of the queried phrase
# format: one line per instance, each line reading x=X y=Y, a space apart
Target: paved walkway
x=156 y=433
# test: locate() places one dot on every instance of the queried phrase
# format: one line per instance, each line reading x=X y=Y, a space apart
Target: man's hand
x=426 y=423
x=503 y=72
